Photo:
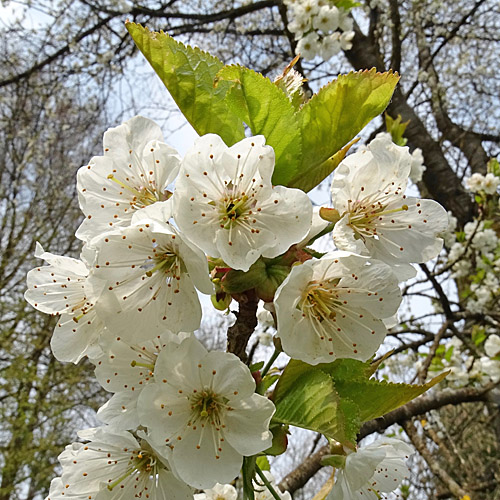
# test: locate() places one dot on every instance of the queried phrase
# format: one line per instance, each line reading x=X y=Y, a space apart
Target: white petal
x=232 y=379
x=120 y=411
x=199 y=467
x=72 y=340
x=247 y=427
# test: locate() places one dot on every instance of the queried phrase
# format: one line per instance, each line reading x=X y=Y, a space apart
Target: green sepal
x=336 y=461
x=266 y=109
x=240 y=281
x=275 y=275
x=267 y=382
x=221 y=301
x=280 y=440
x=188 y=73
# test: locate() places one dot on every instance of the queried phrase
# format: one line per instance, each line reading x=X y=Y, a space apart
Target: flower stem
x=267 y=483
x=266 y=368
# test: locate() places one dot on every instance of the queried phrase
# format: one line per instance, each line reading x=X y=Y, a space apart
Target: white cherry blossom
x=492 y=346
x=372 y=471
x=474 y=183
x=225 y=203
x=263 y=493
x=299 y=26
x=309 y=46
x=65 y=287
x=334 y=308
x=330 y=45
x=134 y=173
x=346 y=22
x=202 y=408
x=327 y=18
x=114 y=465
x=153 y=272
x=346 y=40
x=311 y=7
x=491 y=368
x=490 y=183
x=417 y=165
x=377 y=218
x=218 y=492
x=125 y=369
x=478 y=182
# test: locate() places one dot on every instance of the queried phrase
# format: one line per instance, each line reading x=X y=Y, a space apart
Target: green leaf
x=266 y=110
x=346 y=369
x=263 y=463
x=267 y=382
x=494 y=167
x=307 y=399
x=335 y=398
x=256 y=366
x=346 y=4
x=308 y=179
x=396 y=129
x=188 y=73
x=449 y=353
x=478 y=335
x=376 y=398
x=341 y=109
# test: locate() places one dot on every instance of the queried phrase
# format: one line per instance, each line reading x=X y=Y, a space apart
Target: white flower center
x=208 y=407
x=237 y=210
x=165 y=261
x=143 y=194
x=323 y=303
x=80 y=309
x=320 y=304
x=141 y=462
x=367 y=212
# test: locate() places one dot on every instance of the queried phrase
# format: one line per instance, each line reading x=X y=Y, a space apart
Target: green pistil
x=207 y=405
x=164 y=263
x=233 y=210
x=150 y=367
x=76 y=319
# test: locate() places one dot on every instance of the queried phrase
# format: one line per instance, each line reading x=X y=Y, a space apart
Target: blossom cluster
x=474 y=260
x=465 y=370
x=475 y=252
x=320 y=27
x=158 y=231
x=488 y=183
